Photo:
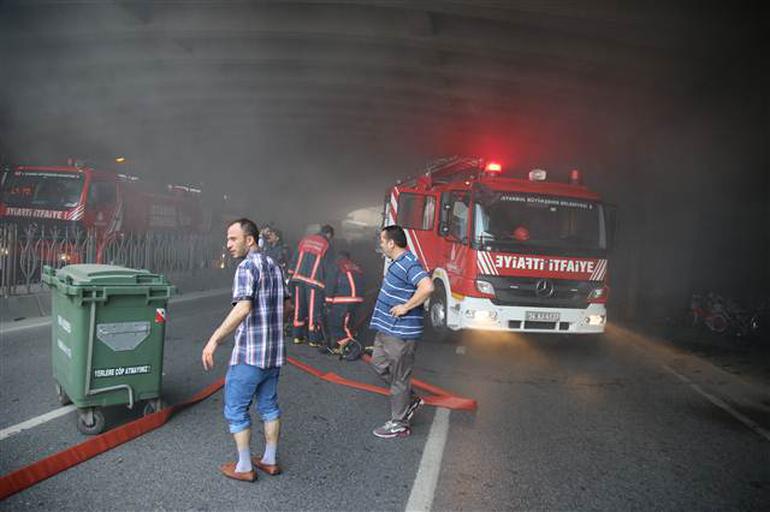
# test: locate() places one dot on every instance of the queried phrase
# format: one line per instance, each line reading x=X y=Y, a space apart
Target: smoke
x=300 y=114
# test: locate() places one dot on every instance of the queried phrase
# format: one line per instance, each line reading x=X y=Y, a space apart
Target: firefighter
x=312 y=268
x=342 y=304
x=275 y=248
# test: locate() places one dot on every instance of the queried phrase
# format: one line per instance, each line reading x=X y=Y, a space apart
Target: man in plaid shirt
x=258 y=354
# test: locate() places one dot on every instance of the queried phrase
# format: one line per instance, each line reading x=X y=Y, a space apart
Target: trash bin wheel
x=153 y=406
x=61 y=396
x=90 y=422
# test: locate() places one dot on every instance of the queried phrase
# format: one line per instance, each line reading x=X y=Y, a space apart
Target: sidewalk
x=36 y=306
x=746 y=358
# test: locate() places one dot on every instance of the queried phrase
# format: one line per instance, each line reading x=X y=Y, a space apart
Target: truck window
x=416 y=211
x=40 y=189
x=511 y=220
x=458 y=215
x=101 y=193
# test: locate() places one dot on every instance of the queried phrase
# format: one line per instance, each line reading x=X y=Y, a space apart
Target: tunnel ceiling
x=115 y=76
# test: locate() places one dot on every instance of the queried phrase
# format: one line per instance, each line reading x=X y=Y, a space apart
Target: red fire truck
x=105 y=202
x=506 y=253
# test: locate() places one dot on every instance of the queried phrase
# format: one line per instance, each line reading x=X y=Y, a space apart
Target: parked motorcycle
x=722 y=316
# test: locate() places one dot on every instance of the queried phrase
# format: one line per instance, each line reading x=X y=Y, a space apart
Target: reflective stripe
x=299 y=262
x=309 y=281
x=297 y=323
x=315 y=267
x=312 y=307
x=344 y=300
x=347 y=328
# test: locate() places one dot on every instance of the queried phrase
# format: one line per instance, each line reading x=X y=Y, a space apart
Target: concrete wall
x=694 y=196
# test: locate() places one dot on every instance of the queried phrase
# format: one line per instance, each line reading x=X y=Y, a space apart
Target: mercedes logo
x=544 y=288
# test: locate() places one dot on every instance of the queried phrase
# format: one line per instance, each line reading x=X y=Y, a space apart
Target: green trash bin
x=108 y=326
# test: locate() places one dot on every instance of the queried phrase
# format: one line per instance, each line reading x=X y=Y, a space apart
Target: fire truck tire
x=436 y=321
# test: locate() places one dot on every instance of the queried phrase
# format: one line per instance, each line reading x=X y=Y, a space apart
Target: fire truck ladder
x=444 y=170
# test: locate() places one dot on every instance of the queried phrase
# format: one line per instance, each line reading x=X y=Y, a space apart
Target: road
x=592 y=423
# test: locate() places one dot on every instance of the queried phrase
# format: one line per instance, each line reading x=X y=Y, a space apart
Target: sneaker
x=314 y=344
x=392 y=429
x=298 y=341
x=415 y=404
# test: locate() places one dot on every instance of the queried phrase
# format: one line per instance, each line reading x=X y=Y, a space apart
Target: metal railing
x=24 y=249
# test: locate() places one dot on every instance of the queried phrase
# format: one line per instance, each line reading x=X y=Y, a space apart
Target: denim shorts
x=245 y=382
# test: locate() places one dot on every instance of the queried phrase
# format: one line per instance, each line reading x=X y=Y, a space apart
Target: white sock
x=269 y=456
x=244 y=461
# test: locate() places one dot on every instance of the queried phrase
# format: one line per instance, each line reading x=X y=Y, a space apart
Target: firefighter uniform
x=310 y=272
x=344 y=302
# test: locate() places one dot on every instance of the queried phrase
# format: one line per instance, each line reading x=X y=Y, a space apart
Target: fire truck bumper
x=481 y=314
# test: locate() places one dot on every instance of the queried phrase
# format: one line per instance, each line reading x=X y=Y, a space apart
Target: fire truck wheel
x=437 y=313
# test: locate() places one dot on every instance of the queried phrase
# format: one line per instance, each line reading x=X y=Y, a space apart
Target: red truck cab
x=506 y=253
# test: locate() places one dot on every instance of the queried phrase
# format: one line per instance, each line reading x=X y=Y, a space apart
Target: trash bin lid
x=107 y=275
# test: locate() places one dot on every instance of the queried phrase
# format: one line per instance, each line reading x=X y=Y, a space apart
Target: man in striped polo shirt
x=397 y=318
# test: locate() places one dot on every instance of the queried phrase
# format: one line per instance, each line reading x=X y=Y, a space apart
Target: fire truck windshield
x=55 y=190
x=517 y=221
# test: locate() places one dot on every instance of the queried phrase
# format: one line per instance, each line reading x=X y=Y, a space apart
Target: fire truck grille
x=536 y=291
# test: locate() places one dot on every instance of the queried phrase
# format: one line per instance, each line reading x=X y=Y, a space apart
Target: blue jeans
x=244 y=382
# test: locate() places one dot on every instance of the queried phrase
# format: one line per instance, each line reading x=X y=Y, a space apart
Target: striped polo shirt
x=398 y=286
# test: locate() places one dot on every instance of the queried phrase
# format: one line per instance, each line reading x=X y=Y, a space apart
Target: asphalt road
x=605 y=423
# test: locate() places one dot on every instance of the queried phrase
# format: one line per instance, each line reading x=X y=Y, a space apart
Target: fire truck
x=506 y=253
x=104 y=202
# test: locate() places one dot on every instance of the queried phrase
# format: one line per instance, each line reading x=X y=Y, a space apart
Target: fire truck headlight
x=596 y=319
x=485 y=287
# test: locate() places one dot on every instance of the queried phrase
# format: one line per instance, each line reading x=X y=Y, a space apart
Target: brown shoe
x=270 y=469
x=229 y=471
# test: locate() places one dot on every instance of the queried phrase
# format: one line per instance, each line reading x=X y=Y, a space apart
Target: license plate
x=542 y=316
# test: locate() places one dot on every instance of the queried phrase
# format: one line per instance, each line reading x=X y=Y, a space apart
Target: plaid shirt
x=259 y=338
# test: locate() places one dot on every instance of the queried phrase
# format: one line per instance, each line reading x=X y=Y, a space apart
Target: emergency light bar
x=493 y=168
x=537 y=175
x=575 y=177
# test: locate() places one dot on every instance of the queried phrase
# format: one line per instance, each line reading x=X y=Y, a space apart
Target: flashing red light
x=493 y=167
x=575 y=177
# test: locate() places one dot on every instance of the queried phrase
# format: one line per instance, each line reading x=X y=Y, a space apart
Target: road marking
x=34 y=324
x=424 y=486
x=56 y=413
x=722 y=405
x=34 y=422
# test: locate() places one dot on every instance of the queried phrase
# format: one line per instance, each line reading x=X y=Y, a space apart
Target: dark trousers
x=308 y=312
x=341 y=318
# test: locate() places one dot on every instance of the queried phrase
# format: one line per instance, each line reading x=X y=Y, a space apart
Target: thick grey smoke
x=301 y=113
